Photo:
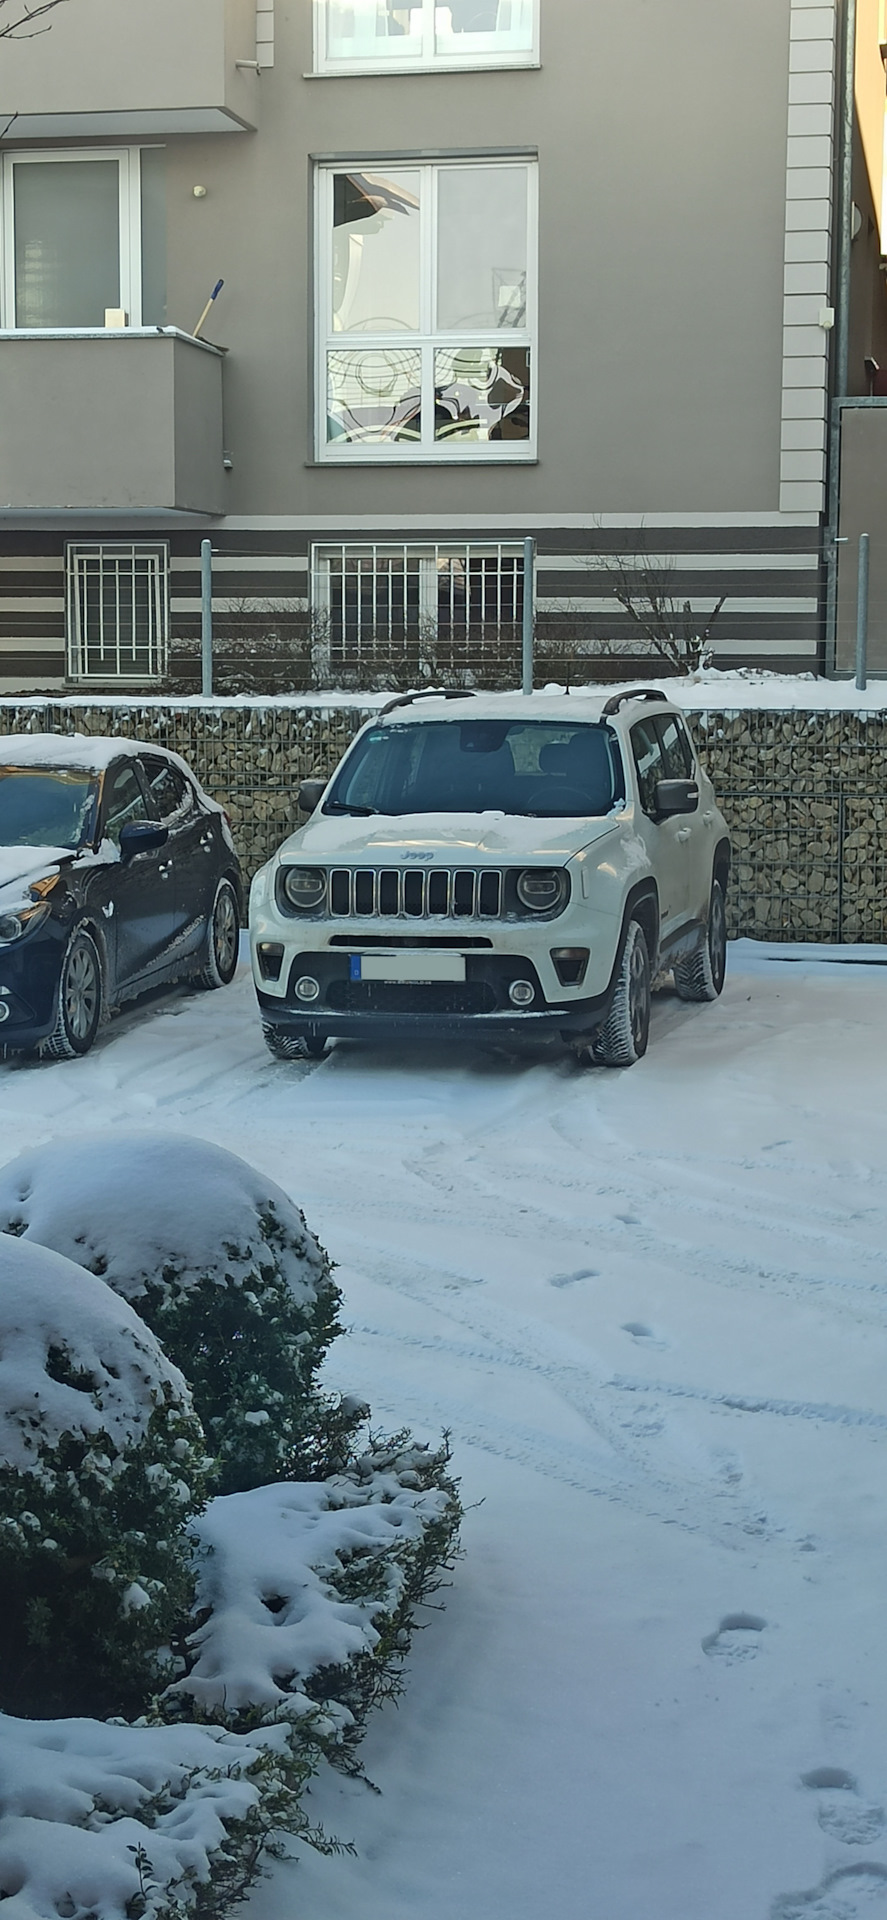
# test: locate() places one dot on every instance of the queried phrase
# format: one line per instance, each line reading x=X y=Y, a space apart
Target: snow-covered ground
x=651 y=1308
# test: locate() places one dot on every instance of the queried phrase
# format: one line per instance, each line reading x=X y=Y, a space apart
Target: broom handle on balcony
x=214 y=295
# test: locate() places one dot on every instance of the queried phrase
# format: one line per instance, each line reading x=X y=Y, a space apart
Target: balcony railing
x=108 y=421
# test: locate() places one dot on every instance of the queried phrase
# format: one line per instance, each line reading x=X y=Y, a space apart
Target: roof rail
x=427 y=693
x=618 y=700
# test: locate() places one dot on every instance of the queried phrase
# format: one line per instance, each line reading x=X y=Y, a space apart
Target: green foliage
x=95 y=1567
x=251 y=1350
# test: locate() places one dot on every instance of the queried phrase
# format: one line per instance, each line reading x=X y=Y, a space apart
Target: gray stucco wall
x=661 y=241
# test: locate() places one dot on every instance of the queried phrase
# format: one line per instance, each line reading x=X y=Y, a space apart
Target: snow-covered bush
x=101 y=1464
x=117 y=1822
x=306 y=1594
x=220 y=1264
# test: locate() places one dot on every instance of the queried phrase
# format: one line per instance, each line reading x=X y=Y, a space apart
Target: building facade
x=490 y=270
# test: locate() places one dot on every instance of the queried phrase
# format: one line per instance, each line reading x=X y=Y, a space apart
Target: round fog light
x=4 y=1010
x=521 y=992
x=307 y=988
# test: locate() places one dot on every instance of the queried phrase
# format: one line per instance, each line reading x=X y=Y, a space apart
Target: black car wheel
x=222 y=939
x=701 y=976
x=623 y=1037
x=80 y=999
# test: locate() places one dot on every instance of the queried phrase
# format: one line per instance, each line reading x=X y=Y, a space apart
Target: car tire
x=622 y=1039
x=701 y=975
x=222 y=947
x=292 y=1046
x=80 y=1002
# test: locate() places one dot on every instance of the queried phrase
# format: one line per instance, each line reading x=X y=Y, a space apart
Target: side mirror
x=141 y=836
x=309 y=794
x=676 y=796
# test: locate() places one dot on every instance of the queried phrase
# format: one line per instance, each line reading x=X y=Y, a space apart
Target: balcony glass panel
x=67 y=242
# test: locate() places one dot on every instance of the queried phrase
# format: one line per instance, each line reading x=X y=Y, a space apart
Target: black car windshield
x=45 y=806
x=548 y=769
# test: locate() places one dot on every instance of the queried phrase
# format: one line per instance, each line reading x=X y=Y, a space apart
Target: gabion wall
x=805 y=794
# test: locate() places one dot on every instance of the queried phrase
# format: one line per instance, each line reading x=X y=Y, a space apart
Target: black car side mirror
x=676 y=796
x=309 y=794
x=141 y=836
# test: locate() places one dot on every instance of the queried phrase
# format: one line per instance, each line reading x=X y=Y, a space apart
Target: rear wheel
x=222 y=939
x=291 y=1046
x=80 y=1001
x=623 y=1037
x=701 y=975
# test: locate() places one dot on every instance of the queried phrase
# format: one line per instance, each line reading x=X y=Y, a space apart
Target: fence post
x=529 y=616
x=862 y=612
x=206 y=617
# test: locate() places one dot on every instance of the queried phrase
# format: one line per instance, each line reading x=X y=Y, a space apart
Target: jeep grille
x=416 y=893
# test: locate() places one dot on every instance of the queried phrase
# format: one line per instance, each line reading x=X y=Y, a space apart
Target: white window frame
x=424 y=56
x=130 y=228
x=420 y=556
x=79 y=645
x=426 y=340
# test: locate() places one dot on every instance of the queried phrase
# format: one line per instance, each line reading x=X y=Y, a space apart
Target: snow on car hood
x=22 y=867
x=475 y=837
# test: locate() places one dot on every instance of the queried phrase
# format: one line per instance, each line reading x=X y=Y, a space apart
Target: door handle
x=683 y=833
x=707 y=817
x=165 y=871
x=206 y=841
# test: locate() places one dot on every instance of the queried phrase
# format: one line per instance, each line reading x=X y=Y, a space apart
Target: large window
x=83 y=238
x=426 y=309
x=365 y=36
x=118 y=620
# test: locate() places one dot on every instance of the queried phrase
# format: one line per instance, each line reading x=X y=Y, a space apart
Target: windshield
x=45 y=806
x=544 y=768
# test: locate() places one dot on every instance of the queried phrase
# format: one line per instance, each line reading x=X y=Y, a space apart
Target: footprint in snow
x=737 y=1638
x=841 y=1811
x=850 y=1893
x=572 y=1279
x=642 y=1335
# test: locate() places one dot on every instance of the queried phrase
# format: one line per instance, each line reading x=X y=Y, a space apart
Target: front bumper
x=386 y=1009
x=29 y=978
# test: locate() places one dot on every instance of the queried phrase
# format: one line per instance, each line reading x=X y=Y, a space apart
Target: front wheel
x=701 y=975
x=222 y=939
x=623 y=1037
x=291 y=1046
x=80 y=1002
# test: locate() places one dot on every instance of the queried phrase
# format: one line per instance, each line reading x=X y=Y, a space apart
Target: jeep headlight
x=542 y=889
x=23 y=920
x=303 y=888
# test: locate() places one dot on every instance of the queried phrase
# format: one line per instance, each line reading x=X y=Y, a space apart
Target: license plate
x=419 y=967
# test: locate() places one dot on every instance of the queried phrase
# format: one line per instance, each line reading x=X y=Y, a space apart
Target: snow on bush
x=114 y=1822
x=221 y=1265
x=309 y=1590
x=101 y=1463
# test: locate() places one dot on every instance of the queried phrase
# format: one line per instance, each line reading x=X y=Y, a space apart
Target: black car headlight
x=24 y=919
x=302 y=889
x=542 y=889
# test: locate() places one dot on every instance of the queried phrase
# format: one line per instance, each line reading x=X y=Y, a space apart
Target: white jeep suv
x=496 y=864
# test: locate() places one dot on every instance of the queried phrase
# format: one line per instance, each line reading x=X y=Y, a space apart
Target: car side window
x=123 y=800
x=647 y=750
x=677 y=757
x=168 y=787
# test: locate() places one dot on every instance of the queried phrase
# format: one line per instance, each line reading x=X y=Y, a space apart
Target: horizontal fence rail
x=805 y=793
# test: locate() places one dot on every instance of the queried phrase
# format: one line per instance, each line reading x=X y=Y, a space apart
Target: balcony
x=127 y=420
x=132 y=68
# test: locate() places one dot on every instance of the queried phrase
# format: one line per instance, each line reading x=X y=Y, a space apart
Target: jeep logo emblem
x=417 y=856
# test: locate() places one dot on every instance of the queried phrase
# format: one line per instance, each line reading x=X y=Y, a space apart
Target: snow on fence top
x=74 y=1359
x=146 y=1206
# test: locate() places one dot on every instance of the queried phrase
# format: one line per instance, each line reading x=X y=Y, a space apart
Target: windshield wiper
x=341 y=806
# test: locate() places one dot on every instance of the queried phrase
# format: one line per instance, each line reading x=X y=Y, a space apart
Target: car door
x=666 y=840
x=191 y=847
x=139 y=910
x=696 y=829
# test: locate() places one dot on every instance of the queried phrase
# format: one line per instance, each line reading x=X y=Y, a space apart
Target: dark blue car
x=117 y=873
